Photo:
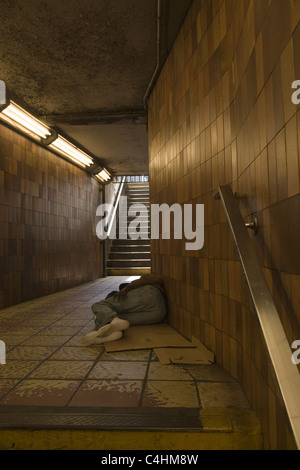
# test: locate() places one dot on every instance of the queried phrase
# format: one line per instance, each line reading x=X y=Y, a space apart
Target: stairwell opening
x=131 y=255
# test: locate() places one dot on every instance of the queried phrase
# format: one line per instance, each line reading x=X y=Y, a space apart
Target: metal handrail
x=287 y=373
x=115 y=205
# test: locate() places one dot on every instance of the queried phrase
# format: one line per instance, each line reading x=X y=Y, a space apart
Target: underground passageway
x=189 y=106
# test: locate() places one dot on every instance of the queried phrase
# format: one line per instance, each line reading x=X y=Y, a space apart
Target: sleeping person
x=141 y=302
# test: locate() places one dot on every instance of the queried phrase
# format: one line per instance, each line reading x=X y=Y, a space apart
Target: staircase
x=132 y=256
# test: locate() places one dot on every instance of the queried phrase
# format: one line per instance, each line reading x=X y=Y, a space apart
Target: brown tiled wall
x=221 y=113
x=47 y=232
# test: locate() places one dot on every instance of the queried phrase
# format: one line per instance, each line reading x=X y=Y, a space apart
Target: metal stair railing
x=286 y=372
x=115 y=205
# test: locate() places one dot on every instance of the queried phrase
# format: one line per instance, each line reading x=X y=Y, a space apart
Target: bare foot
x=117 y=324
x=93 y=338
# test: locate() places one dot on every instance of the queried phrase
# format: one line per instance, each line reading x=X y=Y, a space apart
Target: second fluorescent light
x=70 y=151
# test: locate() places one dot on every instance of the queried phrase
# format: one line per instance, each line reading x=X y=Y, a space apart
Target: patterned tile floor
x=47 y=365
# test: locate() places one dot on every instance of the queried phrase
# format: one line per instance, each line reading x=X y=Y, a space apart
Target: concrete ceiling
x=84 y=66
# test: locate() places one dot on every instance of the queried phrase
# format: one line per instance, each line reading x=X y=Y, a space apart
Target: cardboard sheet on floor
x=199 y=354
x=160 y=335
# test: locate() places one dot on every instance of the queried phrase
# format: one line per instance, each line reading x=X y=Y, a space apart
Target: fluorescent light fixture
x=25 y=122
x=70 y=151
x=103 y=175
x=17 y=117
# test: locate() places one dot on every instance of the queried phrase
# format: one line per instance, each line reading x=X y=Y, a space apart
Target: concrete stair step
x=142 y=236
x=131 y=187
x=138 y=200
x=127 y=429
x=138 y=190
x=143 y=217
x=125 y=229
x=128 y=271
x=123 y=263
x=130 y=248
x=129 y=241
x=137 y=206
x=130 y=255
x=138 y=197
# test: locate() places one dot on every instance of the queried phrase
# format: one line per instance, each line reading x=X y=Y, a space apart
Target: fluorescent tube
x=103 y=175
x=68 y=150
x=29 y=125
x=25 y=122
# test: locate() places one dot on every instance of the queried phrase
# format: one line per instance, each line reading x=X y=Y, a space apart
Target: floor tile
x=108 y=393
x=22 y=331
x=71 y=322
x=41 y=340
x=24 y=353
x=119 y=370
x=222 y=395
x=12 y=340
x=159 y=371
x=6 y=385
x=9 y=323
x=77 y=340
x=73 y=353
x=67 y=370
x=170 y=393
x=37 y=323
x=41 y=393
x=139 y=355
x=59 y=330
x=17 y=369
x=50 y=316
x=87 y=328
x=212 y=373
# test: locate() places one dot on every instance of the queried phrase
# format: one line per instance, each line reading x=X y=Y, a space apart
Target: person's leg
x=108 y=326
x=117 y=324
x=142 y=306
x=103 y=312
x=94 y=338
